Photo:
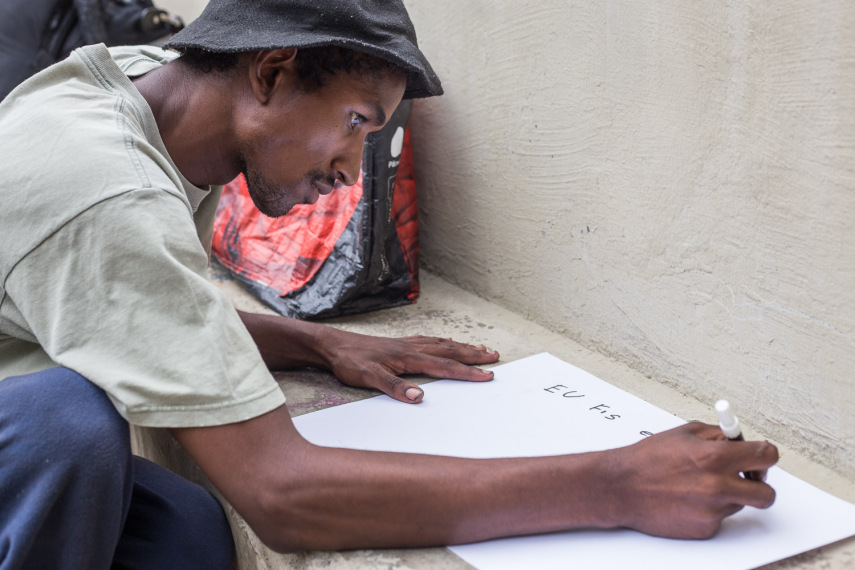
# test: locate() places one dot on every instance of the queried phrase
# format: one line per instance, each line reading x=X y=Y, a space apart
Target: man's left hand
x=366 y=361
x=377 y=362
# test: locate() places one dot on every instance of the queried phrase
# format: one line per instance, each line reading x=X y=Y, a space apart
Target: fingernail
x=413 y=394
x=491 y=351
x=480 y=347
x=488 y=372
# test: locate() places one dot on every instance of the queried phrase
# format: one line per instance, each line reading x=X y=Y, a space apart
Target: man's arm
x=296 y=495
x=365 y=361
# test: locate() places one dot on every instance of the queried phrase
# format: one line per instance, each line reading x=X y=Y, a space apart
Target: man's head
x=322 y=75
x=301 y=134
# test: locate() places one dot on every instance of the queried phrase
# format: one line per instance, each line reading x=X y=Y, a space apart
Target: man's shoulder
x=80 y=133
x=91 y=79
x=139 y=60
x=73 y=101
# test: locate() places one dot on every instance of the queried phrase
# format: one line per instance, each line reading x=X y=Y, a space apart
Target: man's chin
x=276 y=203
x=273 y=210
x=270 y=208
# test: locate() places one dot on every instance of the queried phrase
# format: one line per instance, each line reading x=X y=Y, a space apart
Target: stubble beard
x=271 y=200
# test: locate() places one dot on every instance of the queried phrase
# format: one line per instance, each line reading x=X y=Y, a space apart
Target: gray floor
x=445 y=310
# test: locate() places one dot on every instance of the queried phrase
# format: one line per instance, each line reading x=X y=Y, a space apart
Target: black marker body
x=749 y=475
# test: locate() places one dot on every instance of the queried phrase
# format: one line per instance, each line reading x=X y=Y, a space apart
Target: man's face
x=305 y=142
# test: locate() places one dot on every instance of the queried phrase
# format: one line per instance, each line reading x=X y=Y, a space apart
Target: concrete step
x=448 y=311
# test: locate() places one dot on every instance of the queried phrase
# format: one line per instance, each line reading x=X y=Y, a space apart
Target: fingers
x=445 y=358
x=735 y=455
x=448 y=368
x=753 y=458
x=437 y=367
x=756 y=455
x=448 y=348
x=745 y=456
x=751 y=493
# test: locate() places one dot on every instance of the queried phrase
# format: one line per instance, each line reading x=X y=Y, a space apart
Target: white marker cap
x=728 y=422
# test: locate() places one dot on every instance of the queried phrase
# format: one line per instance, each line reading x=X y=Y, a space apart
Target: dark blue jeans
x=73 y=496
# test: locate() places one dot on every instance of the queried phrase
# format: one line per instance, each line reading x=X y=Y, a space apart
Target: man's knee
x=209 y=542
x=174 y=523
x=60 y=416
x=65 y=471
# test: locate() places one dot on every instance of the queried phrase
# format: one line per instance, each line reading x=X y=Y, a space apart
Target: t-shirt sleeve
x=119 y=295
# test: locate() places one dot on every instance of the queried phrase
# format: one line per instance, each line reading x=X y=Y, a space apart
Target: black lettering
x=556 y=387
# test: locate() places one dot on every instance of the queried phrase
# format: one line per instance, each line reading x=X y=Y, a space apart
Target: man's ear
x=269 y=70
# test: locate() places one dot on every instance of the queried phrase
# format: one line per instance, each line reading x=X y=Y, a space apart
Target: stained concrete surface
x=446 y=310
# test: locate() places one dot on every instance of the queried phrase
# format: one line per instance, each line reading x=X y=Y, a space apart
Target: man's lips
x=322 y=188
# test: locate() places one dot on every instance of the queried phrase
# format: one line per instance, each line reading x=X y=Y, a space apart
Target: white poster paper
x=541 y=405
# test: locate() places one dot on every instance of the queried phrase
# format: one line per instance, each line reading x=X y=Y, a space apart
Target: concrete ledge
x=445 y=310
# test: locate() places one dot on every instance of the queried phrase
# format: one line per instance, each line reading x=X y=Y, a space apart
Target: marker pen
x=730 y=426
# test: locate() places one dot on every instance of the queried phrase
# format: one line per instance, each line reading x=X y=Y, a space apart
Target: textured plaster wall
x=189 y=10
x=670 y=183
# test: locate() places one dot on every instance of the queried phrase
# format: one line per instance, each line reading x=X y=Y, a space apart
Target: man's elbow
x=288 y=516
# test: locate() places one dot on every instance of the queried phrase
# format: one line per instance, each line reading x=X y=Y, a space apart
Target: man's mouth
x=322 y=188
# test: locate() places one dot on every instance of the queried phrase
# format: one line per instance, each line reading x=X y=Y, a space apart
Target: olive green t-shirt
x=104 y=249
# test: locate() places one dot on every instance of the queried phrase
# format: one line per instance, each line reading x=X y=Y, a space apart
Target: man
x=107 y=318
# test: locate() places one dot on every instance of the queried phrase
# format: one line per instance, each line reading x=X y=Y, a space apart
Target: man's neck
x=193 y=115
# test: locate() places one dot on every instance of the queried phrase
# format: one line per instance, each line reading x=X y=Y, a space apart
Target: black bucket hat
x=380 y=28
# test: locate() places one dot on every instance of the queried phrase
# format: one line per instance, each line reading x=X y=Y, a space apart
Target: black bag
x=37 y=33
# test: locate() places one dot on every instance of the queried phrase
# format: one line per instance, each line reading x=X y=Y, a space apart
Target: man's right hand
x=683 y=482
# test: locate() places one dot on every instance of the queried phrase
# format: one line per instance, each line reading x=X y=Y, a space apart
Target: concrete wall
x=187 y=9
x=670 y=183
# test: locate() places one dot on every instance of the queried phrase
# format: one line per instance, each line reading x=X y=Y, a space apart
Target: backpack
x=37 y=33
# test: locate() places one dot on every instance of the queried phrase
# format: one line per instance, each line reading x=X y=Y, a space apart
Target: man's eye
x=355 y=120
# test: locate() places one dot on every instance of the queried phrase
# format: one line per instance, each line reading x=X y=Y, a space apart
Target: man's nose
x=349 y=161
